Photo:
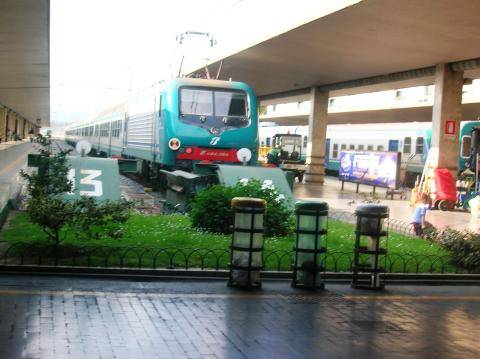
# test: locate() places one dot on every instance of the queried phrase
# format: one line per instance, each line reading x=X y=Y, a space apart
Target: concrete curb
x=192 y=274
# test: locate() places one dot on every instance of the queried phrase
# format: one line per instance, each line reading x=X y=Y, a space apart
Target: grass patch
x=169 y=241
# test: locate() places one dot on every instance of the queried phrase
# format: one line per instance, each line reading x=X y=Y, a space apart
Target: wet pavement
x=347 y=200
x=60 y=317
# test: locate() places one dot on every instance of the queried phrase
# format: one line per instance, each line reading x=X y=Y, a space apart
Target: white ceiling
x=25 y=59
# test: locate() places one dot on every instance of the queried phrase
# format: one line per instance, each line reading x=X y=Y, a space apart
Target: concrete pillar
x=447 y=112
x=317 y=136
x=10 y=125
x=3 y=125
x=25 y=129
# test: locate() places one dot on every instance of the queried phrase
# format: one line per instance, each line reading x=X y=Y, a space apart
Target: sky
x=101 y=51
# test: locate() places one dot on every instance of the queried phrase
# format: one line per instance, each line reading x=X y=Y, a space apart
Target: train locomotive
x=186 y=135
x=185 y=122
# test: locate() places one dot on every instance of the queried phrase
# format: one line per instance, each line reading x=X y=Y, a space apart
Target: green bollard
x=368 y=252
x=246 y=255
x=310 y=244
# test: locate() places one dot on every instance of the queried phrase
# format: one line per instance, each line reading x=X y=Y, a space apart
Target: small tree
x=46 y=187
x=48 y=208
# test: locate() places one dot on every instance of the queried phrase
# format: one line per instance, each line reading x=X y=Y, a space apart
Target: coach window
x=407 y=145
x=380 y=148
x=343 y=146
x=351 y=147
x=335 y=150
x=419 y=146
x=267 y=140
x=305 y=141
x=466 y=142
x=370 y=148
x=361 y=147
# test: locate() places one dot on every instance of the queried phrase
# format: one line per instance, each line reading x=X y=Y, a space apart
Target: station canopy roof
x=25 y=59
x=470 y=112
x=368 y=39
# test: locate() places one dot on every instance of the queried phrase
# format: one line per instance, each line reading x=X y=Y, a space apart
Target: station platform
x=65 y=317
x=13 y=158
x=6 y=145
x=347 y=200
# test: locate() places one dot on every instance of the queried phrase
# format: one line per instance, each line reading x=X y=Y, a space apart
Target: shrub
x=93 y=220
x=211 y=208
x=463 y=245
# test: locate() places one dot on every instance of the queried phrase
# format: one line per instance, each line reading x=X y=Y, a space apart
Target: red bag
x=445 y=185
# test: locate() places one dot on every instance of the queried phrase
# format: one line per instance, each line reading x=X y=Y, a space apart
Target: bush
x=93 y=220
x=463 y=245
x=211 y=208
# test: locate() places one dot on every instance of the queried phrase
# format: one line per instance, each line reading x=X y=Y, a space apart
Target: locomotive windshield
x=213 y=103
x=196 y=102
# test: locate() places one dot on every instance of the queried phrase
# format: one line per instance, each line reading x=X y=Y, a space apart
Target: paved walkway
x=56 y=317
x=12 y=160
x=399 y=209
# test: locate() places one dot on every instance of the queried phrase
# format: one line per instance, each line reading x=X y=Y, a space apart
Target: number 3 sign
x=94 y=177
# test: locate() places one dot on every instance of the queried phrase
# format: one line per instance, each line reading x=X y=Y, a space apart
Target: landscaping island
x=165 y=241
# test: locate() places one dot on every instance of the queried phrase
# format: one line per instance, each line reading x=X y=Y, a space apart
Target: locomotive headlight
x=244 y=154
x=174 y=144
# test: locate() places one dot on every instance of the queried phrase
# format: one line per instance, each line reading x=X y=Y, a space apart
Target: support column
x=3 y=125
x=24 y=128
x=10 y=125
x=447 y=112
x=317 y=136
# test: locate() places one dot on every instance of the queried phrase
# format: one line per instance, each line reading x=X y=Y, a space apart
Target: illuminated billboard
x=379 y=169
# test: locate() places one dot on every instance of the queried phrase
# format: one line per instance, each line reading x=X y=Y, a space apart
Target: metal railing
x=138 y=257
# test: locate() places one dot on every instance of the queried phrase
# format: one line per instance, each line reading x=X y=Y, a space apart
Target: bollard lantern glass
x=369 y=250
x=246 y=255
x=310 y=244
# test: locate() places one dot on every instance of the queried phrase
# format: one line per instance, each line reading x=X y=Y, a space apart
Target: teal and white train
x=177 y=125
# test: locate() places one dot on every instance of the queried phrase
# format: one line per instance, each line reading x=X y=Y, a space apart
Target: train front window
x=230 y=104
x=214 y=109
x=196 y=102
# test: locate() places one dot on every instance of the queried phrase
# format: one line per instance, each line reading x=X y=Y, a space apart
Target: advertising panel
x=379 y=169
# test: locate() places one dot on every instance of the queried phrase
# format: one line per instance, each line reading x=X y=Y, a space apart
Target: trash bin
x=246 y=254
x=368 y=251
x=310 y=244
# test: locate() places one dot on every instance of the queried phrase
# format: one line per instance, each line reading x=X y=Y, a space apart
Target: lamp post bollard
x=370 y=230
x=310 y=244
x=246 y=253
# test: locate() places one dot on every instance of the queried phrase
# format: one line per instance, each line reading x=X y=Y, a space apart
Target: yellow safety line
x=256 y=296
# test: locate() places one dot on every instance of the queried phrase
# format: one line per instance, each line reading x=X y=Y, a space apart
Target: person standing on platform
x=422 y=204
